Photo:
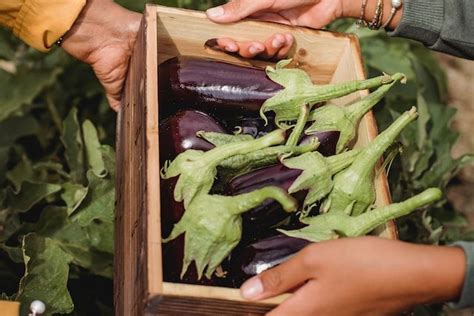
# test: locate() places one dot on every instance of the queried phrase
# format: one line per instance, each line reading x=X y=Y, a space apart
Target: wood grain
x=165 y=33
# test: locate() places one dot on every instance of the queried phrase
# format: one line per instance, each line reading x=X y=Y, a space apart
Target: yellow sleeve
x=40 y=23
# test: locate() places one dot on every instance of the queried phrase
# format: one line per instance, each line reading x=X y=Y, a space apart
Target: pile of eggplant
x=257 y=163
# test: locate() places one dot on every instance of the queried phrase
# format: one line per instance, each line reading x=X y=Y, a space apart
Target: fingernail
x=254 y=50
x=231 y=48
x=276 y=43
x=215 y=12
x=252 y=288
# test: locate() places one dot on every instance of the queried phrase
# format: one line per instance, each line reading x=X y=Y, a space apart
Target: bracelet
x=361 y=22
x=377 y=20
x=396 y=4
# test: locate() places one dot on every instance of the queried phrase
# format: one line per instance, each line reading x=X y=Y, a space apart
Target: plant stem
x=299 y=127
x=247 y=201
x=341 y=161
x=367 y=222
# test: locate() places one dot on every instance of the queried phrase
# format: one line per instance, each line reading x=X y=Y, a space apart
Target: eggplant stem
x=367 y=222
x=300 y=124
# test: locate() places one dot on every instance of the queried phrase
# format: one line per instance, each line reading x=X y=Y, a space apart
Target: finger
x=237 y=10
x=273 y=45
x=277 y=280
x=250 y=49
x=283 y=52
x=223 y=44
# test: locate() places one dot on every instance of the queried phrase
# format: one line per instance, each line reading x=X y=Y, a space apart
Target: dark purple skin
x=270 y=213
x=262 y=255
x=177 y=134
x=212 y=86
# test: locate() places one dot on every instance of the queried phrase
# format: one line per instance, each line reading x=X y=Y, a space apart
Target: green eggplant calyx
x=299 y=91
x=197 y=170
x=317 y=174
x=345 y=119
x=355 y=184
x=212 y=225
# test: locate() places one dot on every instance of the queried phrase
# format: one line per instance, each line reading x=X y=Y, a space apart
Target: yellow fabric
x=8 y=308
x=40 y=23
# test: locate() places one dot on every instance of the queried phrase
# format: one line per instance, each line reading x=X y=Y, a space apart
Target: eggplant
x=177 y=134
x=212 y=86
x=270 y=213
x=262 y=255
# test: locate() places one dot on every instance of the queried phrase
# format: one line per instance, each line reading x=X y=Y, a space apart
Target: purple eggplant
x=262 y=255
x=177 y=134
x=213 y=86
x=270 y=213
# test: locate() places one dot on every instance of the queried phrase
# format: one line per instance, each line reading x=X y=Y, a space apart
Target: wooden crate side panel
x=130 y=240
x=153 y=228
x=184 y=32
x=190 y=305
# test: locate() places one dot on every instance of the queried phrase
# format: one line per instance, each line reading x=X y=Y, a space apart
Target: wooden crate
x=165 y=33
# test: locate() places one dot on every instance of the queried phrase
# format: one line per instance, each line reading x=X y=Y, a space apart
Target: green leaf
x=99 y=203
x=16 y=127
x=73 y=194
x=19 y=89
x=72 y=141
x=30 y=194
x=46 y=275
x=93 y=151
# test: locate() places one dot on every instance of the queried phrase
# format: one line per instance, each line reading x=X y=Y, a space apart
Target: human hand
x=103 y=36
x=310 y=13
x=361 y=276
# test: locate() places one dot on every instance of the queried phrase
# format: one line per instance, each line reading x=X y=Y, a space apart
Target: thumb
x=237 y=10
x=278 y=280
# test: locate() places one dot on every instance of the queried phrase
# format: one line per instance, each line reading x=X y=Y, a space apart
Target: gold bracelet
x=396 y=4
x=377 y=20
x=361 y=22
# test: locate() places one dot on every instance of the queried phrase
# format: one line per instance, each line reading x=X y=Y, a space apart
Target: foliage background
x=57 y=166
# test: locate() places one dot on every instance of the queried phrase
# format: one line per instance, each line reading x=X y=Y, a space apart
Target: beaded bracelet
x=396 y=4
x=377 y=20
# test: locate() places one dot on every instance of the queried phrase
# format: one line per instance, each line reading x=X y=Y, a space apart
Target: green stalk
x=217 y=154
x=299 y=91
x=345 y=119
x=336 y=224
x=299 y=127
x=321 y=93
x=368 y=221
x=340 y=162
x=354 y=186
x=240 y=164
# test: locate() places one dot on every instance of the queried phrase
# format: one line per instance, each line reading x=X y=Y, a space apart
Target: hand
x=310 y=13
x=103 y=36
x=361 y=276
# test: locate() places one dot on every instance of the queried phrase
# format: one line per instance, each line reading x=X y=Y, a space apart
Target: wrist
x=352 y=9
x=99 y=23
